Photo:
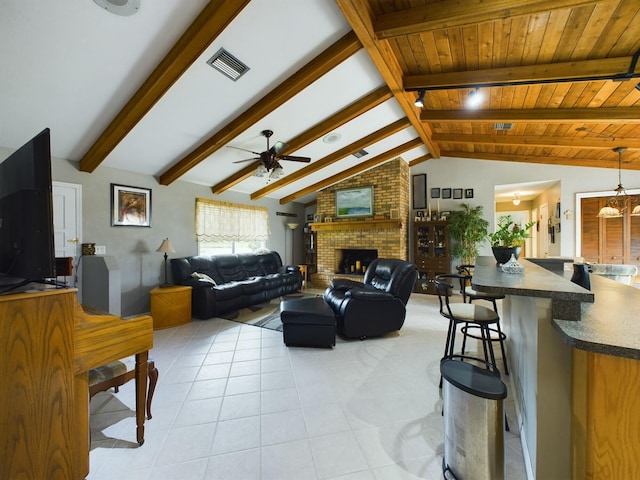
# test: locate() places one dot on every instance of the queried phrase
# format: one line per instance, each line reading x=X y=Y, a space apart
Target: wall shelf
x=355 y=225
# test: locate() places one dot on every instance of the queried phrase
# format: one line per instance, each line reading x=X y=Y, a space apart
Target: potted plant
x=469 y=229
x=508 y=238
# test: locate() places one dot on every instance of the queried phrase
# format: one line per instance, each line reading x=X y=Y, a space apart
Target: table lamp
x=165 y=247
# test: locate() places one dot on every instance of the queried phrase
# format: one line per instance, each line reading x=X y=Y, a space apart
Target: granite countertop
x=536 y=281
x=610 y=325
x=607 y=315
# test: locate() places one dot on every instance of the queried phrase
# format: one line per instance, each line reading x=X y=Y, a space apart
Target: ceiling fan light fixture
x=261 y=171
x=420 y=100
x=276 y=173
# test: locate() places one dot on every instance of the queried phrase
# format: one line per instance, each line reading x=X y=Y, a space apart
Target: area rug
x=265 y=315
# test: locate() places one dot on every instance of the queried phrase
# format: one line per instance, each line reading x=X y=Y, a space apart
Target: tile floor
x=234 y=403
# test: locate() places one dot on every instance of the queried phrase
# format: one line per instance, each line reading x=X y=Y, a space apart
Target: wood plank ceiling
x=466 y=44
x=539 y=63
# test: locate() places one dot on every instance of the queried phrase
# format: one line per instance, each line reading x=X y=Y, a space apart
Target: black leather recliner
x=376 y=306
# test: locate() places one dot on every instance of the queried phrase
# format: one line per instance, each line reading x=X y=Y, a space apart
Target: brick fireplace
x=383 y=234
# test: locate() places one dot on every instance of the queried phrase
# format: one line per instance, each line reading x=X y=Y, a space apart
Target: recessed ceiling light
x=332 y=138
x=119 y=7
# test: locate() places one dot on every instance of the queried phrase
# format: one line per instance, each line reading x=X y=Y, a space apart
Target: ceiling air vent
x=503 y=126
x=228 y=65
x=360 y=153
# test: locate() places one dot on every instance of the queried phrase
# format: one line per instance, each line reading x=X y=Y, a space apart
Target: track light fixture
x=475 y=98
x=420 y=100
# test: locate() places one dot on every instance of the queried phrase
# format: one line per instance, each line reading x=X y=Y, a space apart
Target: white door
x=67 y=214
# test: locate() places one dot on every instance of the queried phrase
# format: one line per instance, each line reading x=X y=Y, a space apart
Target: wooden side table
x=170 y=306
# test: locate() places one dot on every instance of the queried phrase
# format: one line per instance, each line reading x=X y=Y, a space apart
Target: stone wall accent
x=391 y=192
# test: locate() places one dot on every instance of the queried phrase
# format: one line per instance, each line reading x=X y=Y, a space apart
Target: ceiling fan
x=269 y=159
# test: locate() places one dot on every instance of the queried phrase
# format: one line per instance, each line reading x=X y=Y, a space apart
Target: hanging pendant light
x=615 y=205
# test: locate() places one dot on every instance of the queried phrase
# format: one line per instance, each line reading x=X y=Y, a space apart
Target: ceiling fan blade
x=246 y=160
x=243 y=149
x=294 y=159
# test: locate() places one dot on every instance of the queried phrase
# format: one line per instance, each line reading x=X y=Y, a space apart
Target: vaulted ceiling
x=560 y=81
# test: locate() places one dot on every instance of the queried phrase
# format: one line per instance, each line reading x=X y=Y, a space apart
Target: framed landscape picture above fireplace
x=354 y=202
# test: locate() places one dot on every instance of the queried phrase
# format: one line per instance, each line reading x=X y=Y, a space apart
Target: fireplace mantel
x=355 y=225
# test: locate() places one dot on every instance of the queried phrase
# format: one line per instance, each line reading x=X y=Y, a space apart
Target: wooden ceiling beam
x=356 y=146
x=528 y=74
x=419 y=160
x=536 y=115
x=361 y=167
x=347 y=114
x=212 y=21
x=439 y=15
x=360 y=16
x=570 y=162
x=537 y=141
x=312 y=71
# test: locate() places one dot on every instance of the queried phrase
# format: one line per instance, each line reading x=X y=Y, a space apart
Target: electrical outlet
x=101 y=250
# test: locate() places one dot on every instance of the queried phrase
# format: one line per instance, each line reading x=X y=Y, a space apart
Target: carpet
x=265 y=315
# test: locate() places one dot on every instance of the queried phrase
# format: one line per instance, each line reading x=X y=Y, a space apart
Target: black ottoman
x=308 y=322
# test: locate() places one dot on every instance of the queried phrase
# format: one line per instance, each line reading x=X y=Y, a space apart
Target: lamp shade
x=292 y=226
x=609 y=212
x=165 y=247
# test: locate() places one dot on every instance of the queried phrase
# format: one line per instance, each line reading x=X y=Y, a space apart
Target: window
x=223 y=227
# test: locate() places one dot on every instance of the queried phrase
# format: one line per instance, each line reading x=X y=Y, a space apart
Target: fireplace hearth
x=354 y=260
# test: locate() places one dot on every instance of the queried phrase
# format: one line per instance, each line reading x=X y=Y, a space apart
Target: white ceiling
x=71 y=65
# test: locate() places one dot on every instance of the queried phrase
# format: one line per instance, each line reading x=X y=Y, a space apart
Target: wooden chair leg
x=153 y=379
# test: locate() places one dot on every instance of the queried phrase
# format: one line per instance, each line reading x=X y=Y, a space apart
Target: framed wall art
x=130 y=206
x=457 y=193
x=435 y=193
x=354 y=202
x=446 y=193
x=468 y=193
x=419 y=184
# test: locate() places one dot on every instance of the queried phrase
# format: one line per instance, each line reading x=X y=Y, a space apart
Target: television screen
x=26 y=213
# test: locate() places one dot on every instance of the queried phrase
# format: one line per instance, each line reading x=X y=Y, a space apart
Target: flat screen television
x=26 y=214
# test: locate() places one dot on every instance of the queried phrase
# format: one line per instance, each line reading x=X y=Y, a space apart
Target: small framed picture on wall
x=446 y=193
x=457 y=193
x=435 y=193
x=468 y=193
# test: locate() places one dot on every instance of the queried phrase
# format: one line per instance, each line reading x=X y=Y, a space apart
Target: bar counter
x=574 y=357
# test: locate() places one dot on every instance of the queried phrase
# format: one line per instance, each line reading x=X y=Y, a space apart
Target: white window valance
x=223 y=221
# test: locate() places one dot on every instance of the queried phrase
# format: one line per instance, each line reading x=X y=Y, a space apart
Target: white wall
x=484 y=175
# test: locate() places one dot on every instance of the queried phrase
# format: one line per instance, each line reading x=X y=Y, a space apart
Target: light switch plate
x=101 y=250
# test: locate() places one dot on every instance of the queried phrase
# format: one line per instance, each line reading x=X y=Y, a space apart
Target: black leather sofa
x=375 y=306
x=234 y=281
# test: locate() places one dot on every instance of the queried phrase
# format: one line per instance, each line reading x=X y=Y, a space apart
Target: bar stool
x=468 y=314
x=497 y=335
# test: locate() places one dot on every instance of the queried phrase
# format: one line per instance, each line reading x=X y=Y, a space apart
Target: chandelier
x=616 y=204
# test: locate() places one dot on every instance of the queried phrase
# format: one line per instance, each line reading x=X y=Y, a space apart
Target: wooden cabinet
x=609 y=240
x=310 y=252
x=431 y=253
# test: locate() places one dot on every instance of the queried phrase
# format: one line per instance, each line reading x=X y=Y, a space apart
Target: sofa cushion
x=229 y=268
